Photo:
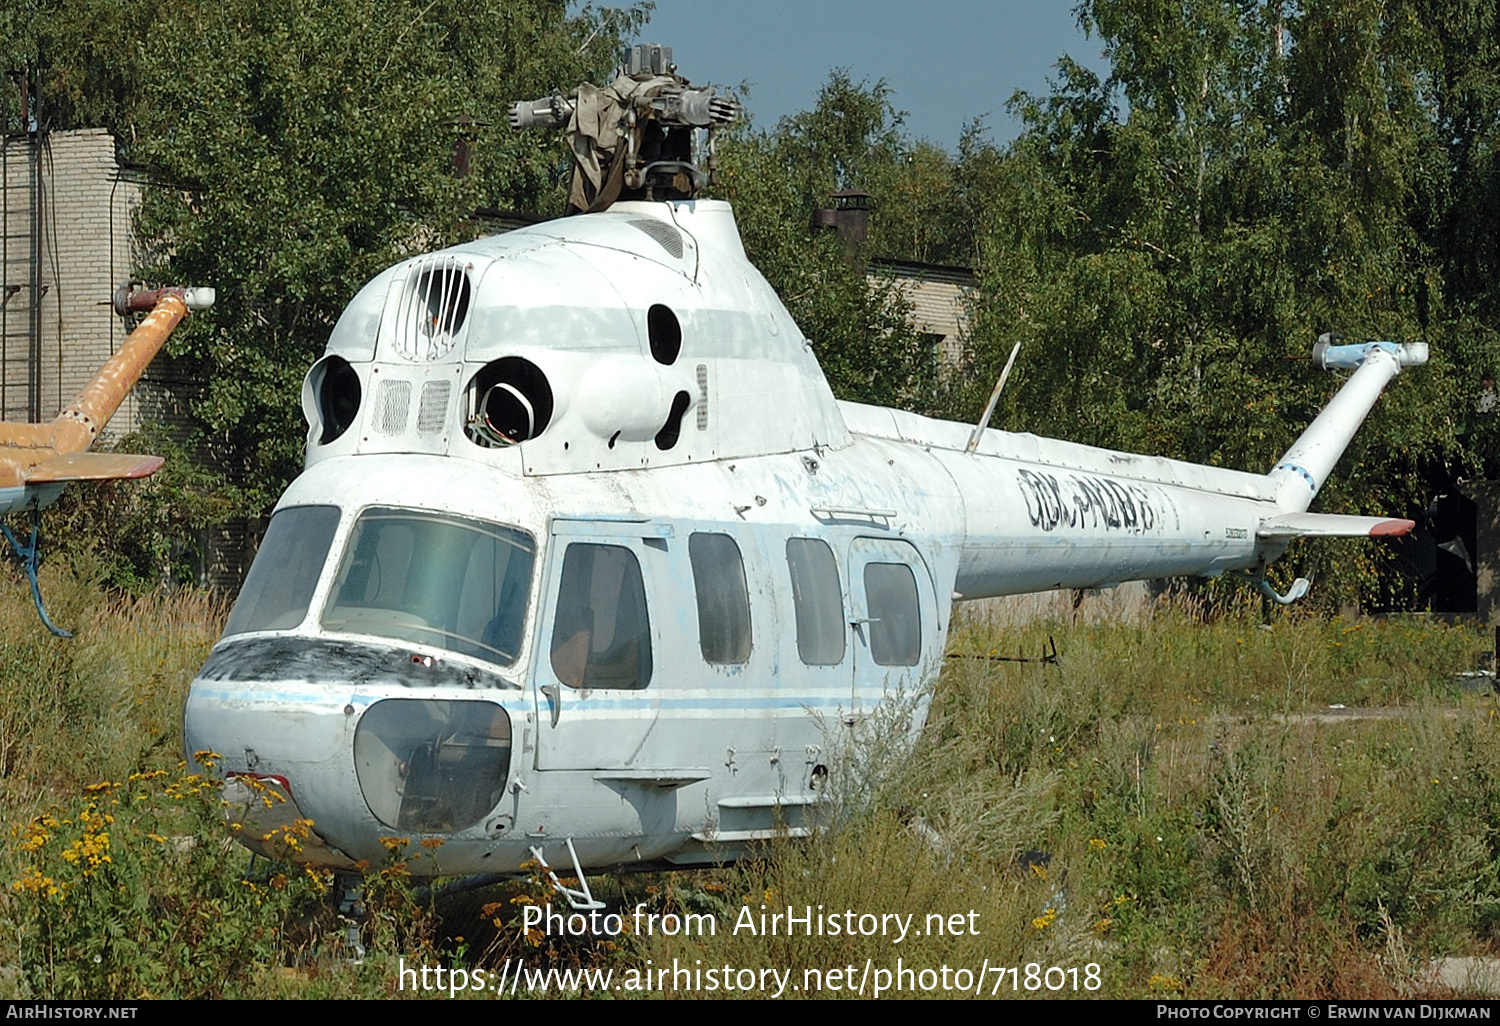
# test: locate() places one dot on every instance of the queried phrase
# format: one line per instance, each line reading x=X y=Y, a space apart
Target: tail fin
x=44 y=457
x=93 y=466
x=1305 y=468
x=57 y=453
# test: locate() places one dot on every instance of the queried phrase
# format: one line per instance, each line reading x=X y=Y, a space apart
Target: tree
x=1170 y=240
x=298 y=149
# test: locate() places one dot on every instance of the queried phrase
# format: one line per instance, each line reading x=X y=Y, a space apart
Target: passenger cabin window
x=601 y=637
x=819 y=601
x=895 y=616
x=723 y=599
x=437 y=580
x=286 y=570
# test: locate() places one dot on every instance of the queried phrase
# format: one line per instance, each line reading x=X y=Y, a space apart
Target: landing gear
x=580 y=897
x=349 y=889
x=30 y=556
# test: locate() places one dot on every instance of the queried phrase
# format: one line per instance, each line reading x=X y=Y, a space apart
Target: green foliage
x=1214 y=829
x=312 y=148
x=126 y=894
x=1167 y=241
x=142 y=535
x=1241 y=840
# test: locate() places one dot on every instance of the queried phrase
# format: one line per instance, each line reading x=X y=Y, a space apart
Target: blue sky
x=948 y=62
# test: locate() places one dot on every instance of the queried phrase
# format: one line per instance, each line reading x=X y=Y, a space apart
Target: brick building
x=939 y=298
x=66 y=243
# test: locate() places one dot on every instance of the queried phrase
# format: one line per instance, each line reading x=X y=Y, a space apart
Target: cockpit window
x=286 y=569
x=437 y=580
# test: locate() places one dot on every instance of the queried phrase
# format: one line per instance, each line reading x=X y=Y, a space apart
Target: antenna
x=989 y=409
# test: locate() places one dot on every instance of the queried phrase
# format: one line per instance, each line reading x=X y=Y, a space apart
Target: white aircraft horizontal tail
x=1330 y=525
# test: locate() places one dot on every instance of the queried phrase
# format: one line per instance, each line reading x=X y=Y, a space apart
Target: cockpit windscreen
x=286 y=570
x=434 y=579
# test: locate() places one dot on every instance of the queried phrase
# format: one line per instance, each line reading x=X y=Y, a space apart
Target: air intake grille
x=432 y=411
x=669 y=238
x=703 y=397
x=391 y=403
x=432 y=314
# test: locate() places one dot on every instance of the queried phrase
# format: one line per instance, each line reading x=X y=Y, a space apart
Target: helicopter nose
x=264 y=817
x=332 y=770
x=286 y=753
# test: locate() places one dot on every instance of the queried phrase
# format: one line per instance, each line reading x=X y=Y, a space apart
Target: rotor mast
x=633 y=139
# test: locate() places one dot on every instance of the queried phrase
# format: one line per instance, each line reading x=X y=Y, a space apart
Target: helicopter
x=588 y=567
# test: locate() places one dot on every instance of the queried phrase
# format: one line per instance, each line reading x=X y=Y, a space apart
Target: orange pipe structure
x=75 y=428
x=38 y=453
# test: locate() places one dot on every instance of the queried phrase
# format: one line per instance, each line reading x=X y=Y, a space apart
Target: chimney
x=850 y=216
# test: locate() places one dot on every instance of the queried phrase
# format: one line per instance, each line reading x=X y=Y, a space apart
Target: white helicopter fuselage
x=642 y=633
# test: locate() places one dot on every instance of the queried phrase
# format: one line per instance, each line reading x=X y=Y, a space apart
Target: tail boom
x=1029 y=514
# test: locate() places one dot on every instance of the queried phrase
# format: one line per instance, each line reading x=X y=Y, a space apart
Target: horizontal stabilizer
x=1331 y=525
x=93 y=466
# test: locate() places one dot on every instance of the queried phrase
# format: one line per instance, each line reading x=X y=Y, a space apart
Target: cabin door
x=598 y=646
x=893 y=620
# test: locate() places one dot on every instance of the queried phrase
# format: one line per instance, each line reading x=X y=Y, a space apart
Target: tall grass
x=1172 y=802
x=1175 y=802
